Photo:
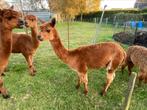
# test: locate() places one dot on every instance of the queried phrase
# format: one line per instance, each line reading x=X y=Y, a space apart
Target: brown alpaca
x=109 y=55
x=9 y=19
x=25 y=44
x=137 y=56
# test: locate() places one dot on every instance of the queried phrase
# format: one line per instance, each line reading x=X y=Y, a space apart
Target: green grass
x=53 y=87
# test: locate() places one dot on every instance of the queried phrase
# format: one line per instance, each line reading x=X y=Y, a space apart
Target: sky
x=117 y=3
x=112 y=3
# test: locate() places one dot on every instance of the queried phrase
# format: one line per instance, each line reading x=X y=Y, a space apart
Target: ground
x=53 y=87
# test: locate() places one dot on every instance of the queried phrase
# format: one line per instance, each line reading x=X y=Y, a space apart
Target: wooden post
x=68 y=32
x=99 y=25
x=136 y=29
x=129 y=92
x=106 y=21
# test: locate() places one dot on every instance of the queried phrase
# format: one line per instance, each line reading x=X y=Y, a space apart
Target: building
x=141 y=4
x=29 y=7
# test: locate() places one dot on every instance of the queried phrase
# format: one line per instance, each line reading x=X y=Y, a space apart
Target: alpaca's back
x=138 y=56
x=22 y=43
x=99 y=55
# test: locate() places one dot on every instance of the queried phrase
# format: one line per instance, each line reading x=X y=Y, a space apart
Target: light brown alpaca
x=25 y=44
x=109 y=55
x=137 y=56
x=9 y=19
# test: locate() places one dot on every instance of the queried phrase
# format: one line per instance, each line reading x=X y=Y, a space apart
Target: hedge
x=111 y=13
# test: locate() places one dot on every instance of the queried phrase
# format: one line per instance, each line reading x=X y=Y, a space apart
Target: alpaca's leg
x=5 y=70
x=3 y=90
x=113 y=65
x=141 y=77
x=125 y=63
x=110 y=77
x=85 y=80
x=82 y=78
x=82 y=75
x=79 y=81
x=145 y=79
x=30 y=64
x=130 y=66
x=33 y=68
x=123 y=67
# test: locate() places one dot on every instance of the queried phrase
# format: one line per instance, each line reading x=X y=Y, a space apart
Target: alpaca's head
x=47 y=30
x=10 y=19
x=30 y=21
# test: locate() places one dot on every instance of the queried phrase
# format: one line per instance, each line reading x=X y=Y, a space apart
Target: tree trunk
x=81 y=16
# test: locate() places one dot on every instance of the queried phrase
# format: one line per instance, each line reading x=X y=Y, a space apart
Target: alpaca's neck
x=59 y=49
x=6 y=39
x=34 y=32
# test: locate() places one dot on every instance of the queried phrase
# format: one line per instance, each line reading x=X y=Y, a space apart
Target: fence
x=122 y=26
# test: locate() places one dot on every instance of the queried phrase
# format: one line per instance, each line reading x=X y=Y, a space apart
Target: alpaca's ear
x=12 y=7
x=0 y=15
x=53 y=22
x=0 y=12
x=42 y=21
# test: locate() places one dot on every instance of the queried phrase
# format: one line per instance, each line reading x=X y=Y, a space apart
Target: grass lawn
x=53 y=87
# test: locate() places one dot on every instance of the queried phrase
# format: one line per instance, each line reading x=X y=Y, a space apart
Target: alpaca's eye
x=48 y=30
x=32 y=20
x=9 y=18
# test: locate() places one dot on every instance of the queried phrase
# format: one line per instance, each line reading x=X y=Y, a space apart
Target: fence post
x=129 y=92
x=106 y=21
x=68 y=33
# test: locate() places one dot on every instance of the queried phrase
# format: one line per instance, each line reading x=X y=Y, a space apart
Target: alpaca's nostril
x=26 y=24
x=21 y=23
x=40 y=38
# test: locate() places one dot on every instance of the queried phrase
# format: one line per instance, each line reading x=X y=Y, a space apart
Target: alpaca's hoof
x=32 y=74
x=6 y=70
x=6 y=96
x=130 y=74
x=34 y=71
x=145 y=81
x=77 y=86
x=85 y=92
x=139 y=83
x=3 y=74
x=102 y=93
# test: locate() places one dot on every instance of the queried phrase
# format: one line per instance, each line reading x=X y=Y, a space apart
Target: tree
x=66 y=8
x=92 y=5
x=81 y=7
x=31 y=4
x=70 y=8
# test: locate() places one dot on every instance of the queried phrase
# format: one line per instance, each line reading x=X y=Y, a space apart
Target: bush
x=133 y=14
x=141 y=38
x=109 y=13
x=124 y=17
x=124 y=37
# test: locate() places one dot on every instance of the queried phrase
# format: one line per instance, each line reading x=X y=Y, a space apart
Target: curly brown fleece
x=137 y=56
